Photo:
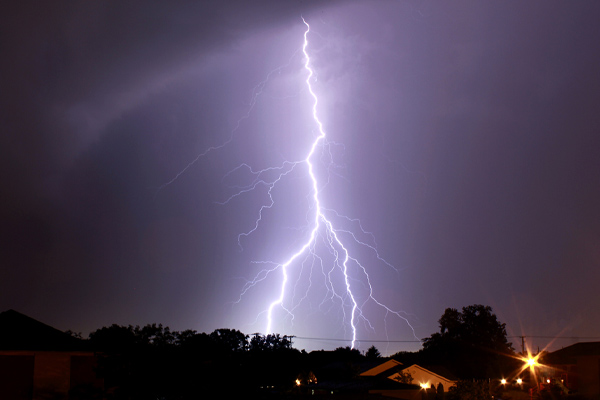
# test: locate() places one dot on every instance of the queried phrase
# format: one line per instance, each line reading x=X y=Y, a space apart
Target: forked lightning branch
x=330 y=247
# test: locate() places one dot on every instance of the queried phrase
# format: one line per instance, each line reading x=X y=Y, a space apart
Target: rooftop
x=20 y=332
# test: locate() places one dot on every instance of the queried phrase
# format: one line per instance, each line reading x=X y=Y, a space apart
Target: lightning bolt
x=321 y=226
x=326 y=249
x=319 y=218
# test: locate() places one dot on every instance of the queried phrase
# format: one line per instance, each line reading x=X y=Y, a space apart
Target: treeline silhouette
x=153 y=362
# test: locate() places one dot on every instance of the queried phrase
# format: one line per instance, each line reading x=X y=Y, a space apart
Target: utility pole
x=291 y=339
x=522 y=345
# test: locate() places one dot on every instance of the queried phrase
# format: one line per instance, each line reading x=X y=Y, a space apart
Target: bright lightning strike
x=327 y=250
x=318 y=212
x=322 y=226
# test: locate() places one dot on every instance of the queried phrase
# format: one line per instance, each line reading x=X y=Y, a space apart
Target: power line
x=522 y=337
x=420 y=341
x=554 y=337
x=359 y=340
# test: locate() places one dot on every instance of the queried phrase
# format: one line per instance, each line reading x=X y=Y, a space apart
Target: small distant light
x=424 y=386
x=503 y=381
x=519 y=381
x=297 y=382
x=547 y=380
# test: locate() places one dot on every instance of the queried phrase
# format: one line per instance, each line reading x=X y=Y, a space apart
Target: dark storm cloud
x=490 y=128
x=470 y=143
x=72 y=67
x=510 y=172
x=77 y=152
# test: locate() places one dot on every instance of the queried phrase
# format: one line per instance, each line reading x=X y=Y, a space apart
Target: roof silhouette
x=20 y=332
x=441 y=371
x=569 y=354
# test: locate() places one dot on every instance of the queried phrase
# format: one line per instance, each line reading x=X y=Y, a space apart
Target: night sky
x=462 y=144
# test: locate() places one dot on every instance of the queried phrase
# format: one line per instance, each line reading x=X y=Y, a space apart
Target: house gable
x=425 y=377
x=389 y=365
x=20 y=332
x=38 y=361
x=577 y=366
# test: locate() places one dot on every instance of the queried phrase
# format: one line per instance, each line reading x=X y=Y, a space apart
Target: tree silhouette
x=230 y=340
x=372 y=353
x=473 y=340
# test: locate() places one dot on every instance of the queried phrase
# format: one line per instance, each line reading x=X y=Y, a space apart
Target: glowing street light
x=520 y=381
x=503 y=381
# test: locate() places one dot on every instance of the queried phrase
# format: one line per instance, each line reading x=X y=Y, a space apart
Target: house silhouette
x=576 y=367
x=39 y=362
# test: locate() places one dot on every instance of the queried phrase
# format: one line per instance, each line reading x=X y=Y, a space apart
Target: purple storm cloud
x=142 y=141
